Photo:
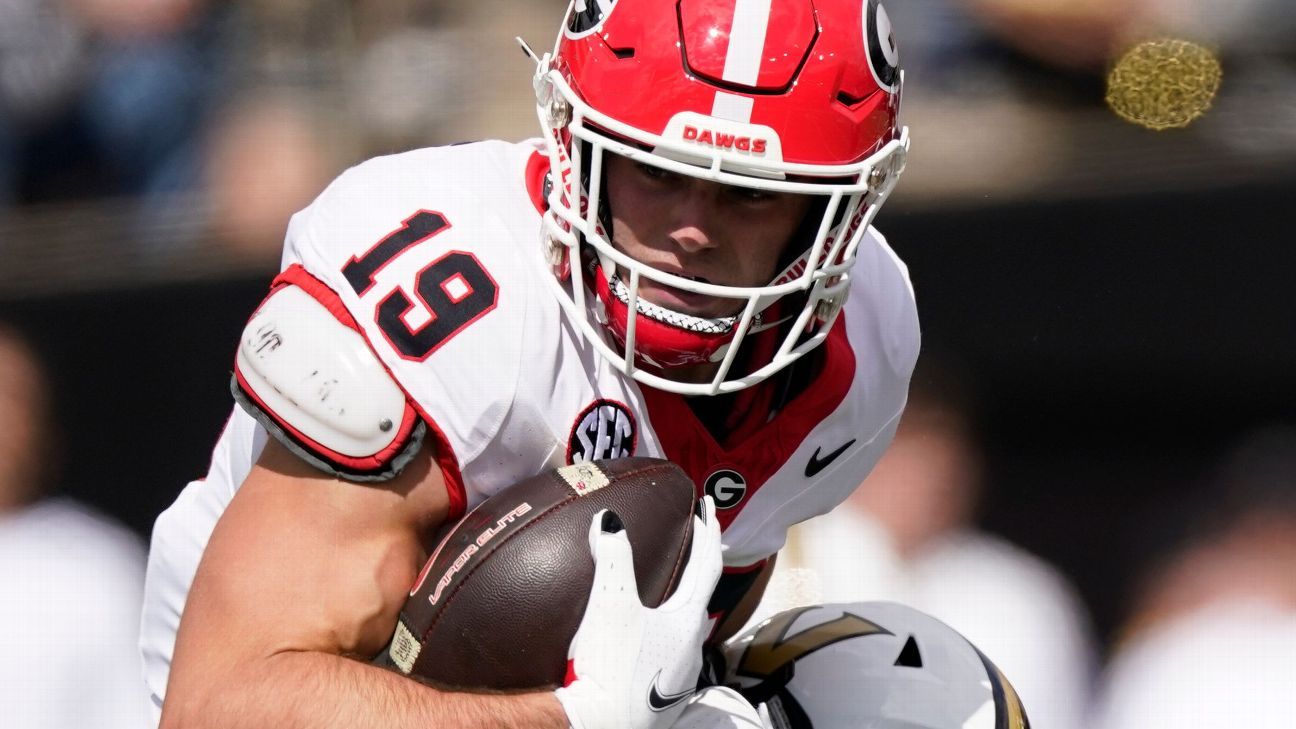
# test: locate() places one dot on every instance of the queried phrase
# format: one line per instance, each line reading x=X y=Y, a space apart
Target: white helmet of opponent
x=868 y=665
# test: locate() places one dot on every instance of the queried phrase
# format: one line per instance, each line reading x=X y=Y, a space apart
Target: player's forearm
x=304 y=690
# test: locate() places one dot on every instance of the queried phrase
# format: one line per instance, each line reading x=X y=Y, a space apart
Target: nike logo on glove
x=818 y=464
x=661 y=702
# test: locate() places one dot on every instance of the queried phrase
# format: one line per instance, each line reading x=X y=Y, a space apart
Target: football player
x=683 y=266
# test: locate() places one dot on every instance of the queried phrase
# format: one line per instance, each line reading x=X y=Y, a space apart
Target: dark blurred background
x=1120 y=299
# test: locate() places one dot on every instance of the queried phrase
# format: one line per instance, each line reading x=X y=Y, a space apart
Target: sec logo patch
x=605 y=429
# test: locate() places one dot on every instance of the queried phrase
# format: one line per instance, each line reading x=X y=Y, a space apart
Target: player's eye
x=755 y=195
x=656 y=173
x=750 y=195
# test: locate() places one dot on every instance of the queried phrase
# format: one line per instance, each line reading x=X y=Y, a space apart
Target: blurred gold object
x=1164 y=84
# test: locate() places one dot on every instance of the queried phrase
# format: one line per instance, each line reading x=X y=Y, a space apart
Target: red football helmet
x=794 y=96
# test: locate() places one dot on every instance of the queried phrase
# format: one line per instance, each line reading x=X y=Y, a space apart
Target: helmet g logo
x=586 y=16
x=879 y=39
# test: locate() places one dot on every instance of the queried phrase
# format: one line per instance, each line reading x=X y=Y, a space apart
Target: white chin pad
x=317 y=376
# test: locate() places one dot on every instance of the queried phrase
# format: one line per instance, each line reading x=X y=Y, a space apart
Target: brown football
x=497 y=604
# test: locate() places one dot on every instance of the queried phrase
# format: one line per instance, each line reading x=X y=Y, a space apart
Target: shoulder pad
x=309 y=377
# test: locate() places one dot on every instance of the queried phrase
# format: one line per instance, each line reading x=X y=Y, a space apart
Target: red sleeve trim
x=362 y=465
x=297 y=275
x=450 y=473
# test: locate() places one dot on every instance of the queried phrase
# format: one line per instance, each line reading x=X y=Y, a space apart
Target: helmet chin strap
x=718 y=327
x=710 y=325
x=705 y=325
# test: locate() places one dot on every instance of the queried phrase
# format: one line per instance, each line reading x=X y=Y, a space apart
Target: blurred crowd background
x=1096 y=479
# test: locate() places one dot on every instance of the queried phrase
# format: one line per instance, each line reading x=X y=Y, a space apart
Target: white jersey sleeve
x=433 y=253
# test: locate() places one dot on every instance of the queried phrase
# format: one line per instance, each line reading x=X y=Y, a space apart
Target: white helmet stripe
x=746 y=41
x=732 y=107
x=743 y=58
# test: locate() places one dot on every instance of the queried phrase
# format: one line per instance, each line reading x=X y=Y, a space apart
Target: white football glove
x=719 y=707
x=635 y=667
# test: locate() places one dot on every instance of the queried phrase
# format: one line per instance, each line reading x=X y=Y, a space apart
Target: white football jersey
x=437 y=255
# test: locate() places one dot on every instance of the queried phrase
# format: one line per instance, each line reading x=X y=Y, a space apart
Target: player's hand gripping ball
x=496 y=606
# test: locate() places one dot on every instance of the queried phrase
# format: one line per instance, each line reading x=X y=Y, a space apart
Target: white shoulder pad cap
x=317 y=379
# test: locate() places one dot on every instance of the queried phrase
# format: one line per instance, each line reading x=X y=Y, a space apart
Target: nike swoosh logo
x=818 y=464
x=658 y=701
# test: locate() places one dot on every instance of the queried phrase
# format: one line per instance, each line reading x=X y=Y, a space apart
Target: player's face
x=719 y=234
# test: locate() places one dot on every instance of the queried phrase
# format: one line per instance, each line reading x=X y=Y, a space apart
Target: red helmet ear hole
x=622 y=53
x=847 y=100
x=850 y=102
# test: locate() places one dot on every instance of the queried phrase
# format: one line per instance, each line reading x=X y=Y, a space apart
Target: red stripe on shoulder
x=450 y=473
x=297 y=275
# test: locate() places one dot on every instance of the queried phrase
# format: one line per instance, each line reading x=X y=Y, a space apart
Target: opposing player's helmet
x=869 y=664
x=795 y=96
